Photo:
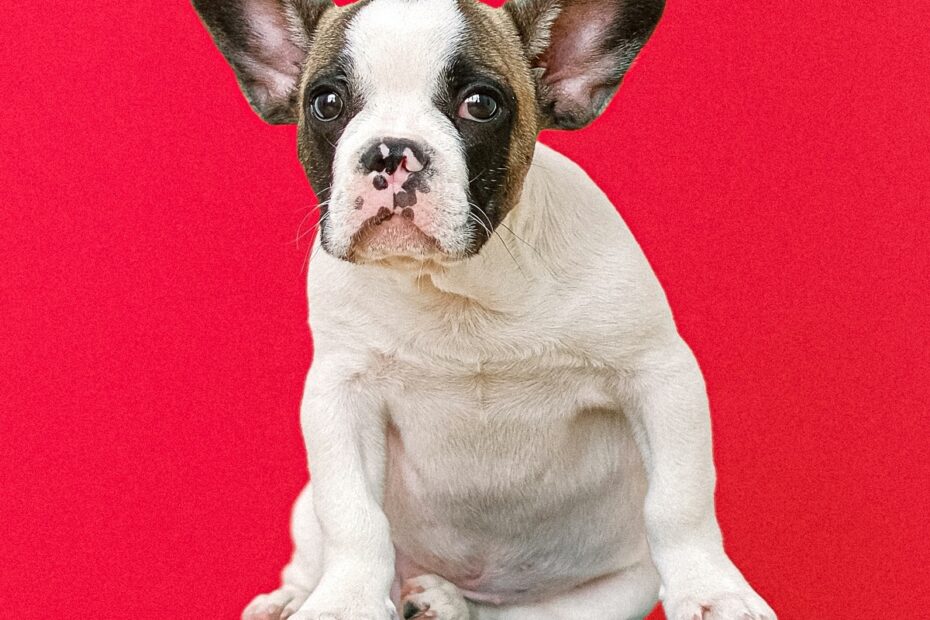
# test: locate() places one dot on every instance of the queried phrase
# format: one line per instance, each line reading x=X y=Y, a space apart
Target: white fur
x=485 y=417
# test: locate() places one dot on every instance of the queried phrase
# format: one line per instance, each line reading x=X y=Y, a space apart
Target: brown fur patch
x=500 y=48
x=327 y=44
x=326 y=49
x=329 y=40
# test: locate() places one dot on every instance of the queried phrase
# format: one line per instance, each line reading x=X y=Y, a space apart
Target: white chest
x=482 y=457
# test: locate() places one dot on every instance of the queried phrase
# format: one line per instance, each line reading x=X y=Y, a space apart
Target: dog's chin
x=395 y=240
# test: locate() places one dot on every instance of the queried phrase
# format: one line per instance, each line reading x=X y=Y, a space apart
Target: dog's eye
x=480 y=107
x=327 y=106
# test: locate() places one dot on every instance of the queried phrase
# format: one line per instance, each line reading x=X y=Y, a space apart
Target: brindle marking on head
x=316 y=148
x=498 y=47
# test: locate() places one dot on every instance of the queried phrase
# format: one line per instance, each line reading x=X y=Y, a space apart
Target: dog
x=501 y=419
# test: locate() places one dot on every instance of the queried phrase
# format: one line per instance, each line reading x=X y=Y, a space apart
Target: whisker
x=478 y=176
x=542 y=259
x=533 y=164
x=312 y=210
x=494 y=232
x=320 y=193
x=482 y=224
x=514 y=258
x=519 y=238
x=420 y=278
x=309 y=231
x=305 y=267
x=539 y=255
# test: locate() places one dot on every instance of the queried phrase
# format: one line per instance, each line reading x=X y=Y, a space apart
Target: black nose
x=389 y=154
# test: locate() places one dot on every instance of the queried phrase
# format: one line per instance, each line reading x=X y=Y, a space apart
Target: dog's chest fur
x=496 y=433
x=483 y=453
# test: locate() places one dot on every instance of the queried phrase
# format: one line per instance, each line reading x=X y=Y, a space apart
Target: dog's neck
x=523 y=254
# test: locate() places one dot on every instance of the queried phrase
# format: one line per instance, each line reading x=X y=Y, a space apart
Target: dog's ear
x=266 y=42
x=580 y=50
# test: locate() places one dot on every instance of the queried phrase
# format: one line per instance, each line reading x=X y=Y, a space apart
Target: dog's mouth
x=392 y=234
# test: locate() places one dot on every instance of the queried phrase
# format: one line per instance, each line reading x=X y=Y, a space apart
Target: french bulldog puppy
x=501 y=419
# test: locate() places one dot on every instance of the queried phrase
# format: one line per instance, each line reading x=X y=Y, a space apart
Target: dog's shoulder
x=604 y=281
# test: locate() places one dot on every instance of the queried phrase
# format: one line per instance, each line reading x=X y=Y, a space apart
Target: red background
x=772 y=159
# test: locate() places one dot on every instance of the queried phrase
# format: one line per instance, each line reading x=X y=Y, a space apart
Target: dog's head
x=417 y=119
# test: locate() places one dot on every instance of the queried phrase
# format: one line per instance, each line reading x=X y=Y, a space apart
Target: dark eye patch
x=486 y=144
x=317 y=138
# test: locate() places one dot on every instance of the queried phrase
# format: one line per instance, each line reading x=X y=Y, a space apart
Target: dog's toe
x=720 y=606
x=431 y=597
x=277 y=605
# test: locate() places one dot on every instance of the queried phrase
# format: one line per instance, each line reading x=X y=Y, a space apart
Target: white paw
x=351 y=609
x=429 y=596
x=719 y=606
x=277 y=605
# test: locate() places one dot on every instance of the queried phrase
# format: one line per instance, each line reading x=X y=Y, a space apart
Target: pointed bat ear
x=580 y=50
x=266 y=42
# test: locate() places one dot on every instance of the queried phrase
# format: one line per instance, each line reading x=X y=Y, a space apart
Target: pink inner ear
x=576 y=65
x=277 y=63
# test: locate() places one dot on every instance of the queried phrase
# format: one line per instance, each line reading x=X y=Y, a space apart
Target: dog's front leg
x=344 y=430
x=666 y=401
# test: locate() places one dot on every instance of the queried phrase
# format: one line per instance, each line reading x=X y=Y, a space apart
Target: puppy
x=501 y=418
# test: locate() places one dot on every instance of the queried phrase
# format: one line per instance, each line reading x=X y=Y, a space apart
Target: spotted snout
x=396 y=174
x=393 y=177
x=398 y=168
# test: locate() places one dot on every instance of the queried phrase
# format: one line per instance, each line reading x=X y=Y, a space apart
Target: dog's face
x=415 y=116
x=417 y=119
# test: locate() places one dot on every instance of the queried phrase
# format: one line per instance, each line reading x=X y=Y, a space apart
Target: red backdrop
x=772 y=159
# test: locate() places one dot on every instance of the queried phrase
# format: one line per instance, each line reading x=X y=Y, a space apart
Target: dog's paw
x=277 y=605
x=719 y=606
x=352 y=609
x=433 y=598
